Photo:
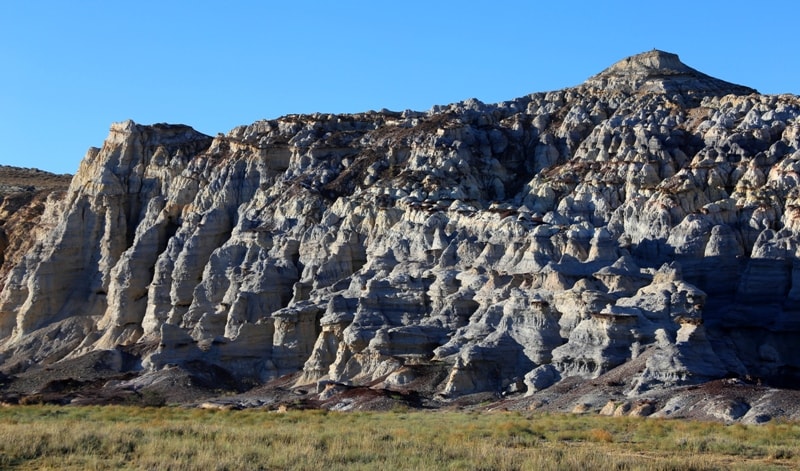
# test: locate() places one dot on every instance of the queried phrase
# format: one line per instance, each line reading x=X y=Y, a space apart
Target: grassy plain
x=110 y=437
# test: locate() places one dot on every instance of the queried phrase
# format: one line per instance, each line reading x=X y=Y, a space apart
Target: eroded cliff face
x=24 y=195
x=650 y=213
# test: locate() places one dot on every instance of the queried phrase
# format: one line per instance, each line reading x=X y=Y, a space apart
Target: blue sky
x=70 y=69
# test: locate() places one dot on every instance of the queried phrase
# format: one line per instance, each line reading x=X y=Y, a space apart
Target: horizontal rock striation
x=648 y=214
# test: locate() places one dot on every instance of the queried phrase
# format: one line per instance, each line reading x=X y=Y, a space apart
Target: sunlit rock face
x=652 y=210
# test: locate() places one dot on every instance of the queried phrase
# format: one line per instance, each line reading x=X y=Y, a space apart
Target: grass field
x=45 y=437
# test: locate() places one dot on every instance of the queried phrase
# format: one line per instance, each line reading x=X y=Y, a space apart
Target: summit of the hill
x=660 y=71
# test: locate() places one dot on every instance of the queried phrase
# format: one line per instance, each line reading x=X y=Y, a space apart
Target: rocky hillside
x=24 y=192
x=645 y=221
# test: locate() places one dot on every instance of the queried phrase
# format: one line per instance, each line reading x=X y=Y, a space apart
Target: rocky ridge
x=645 y=220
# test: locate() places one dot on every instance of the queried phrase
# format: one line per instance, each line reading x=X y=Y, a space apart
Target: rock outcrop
x=650 y=213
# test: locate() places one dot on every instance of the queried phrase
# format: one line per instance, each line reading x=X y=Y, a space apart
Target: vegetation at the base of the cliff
x=111 y=437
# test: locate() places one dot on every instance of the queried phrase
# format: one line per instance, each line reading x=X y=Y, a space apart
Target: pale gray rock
x=726 y=410
x=597 y=344
x=688 y=358
x=509 y=339
x=541 y=377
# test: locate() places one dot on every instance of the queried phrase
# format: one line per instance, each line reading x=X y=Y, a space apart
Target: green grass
x=45 y=437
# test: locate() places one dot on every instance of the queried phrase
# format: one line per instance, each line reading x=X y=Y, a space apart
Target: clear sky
x=71 y=68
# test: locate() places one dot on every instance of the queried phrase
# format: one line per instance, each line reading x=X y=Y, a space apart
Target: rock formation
x=650 y=213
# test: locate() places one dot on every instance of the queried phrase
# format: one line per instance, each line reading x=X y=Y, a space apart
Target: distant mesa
x=662 y=72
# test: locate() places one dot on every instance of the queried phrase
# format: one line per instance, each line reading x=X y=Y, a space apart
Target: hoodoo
x=623 y=239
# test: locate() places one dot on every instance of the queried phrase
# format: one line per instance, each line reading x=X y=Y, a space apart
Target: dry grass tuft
x=600 y=435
